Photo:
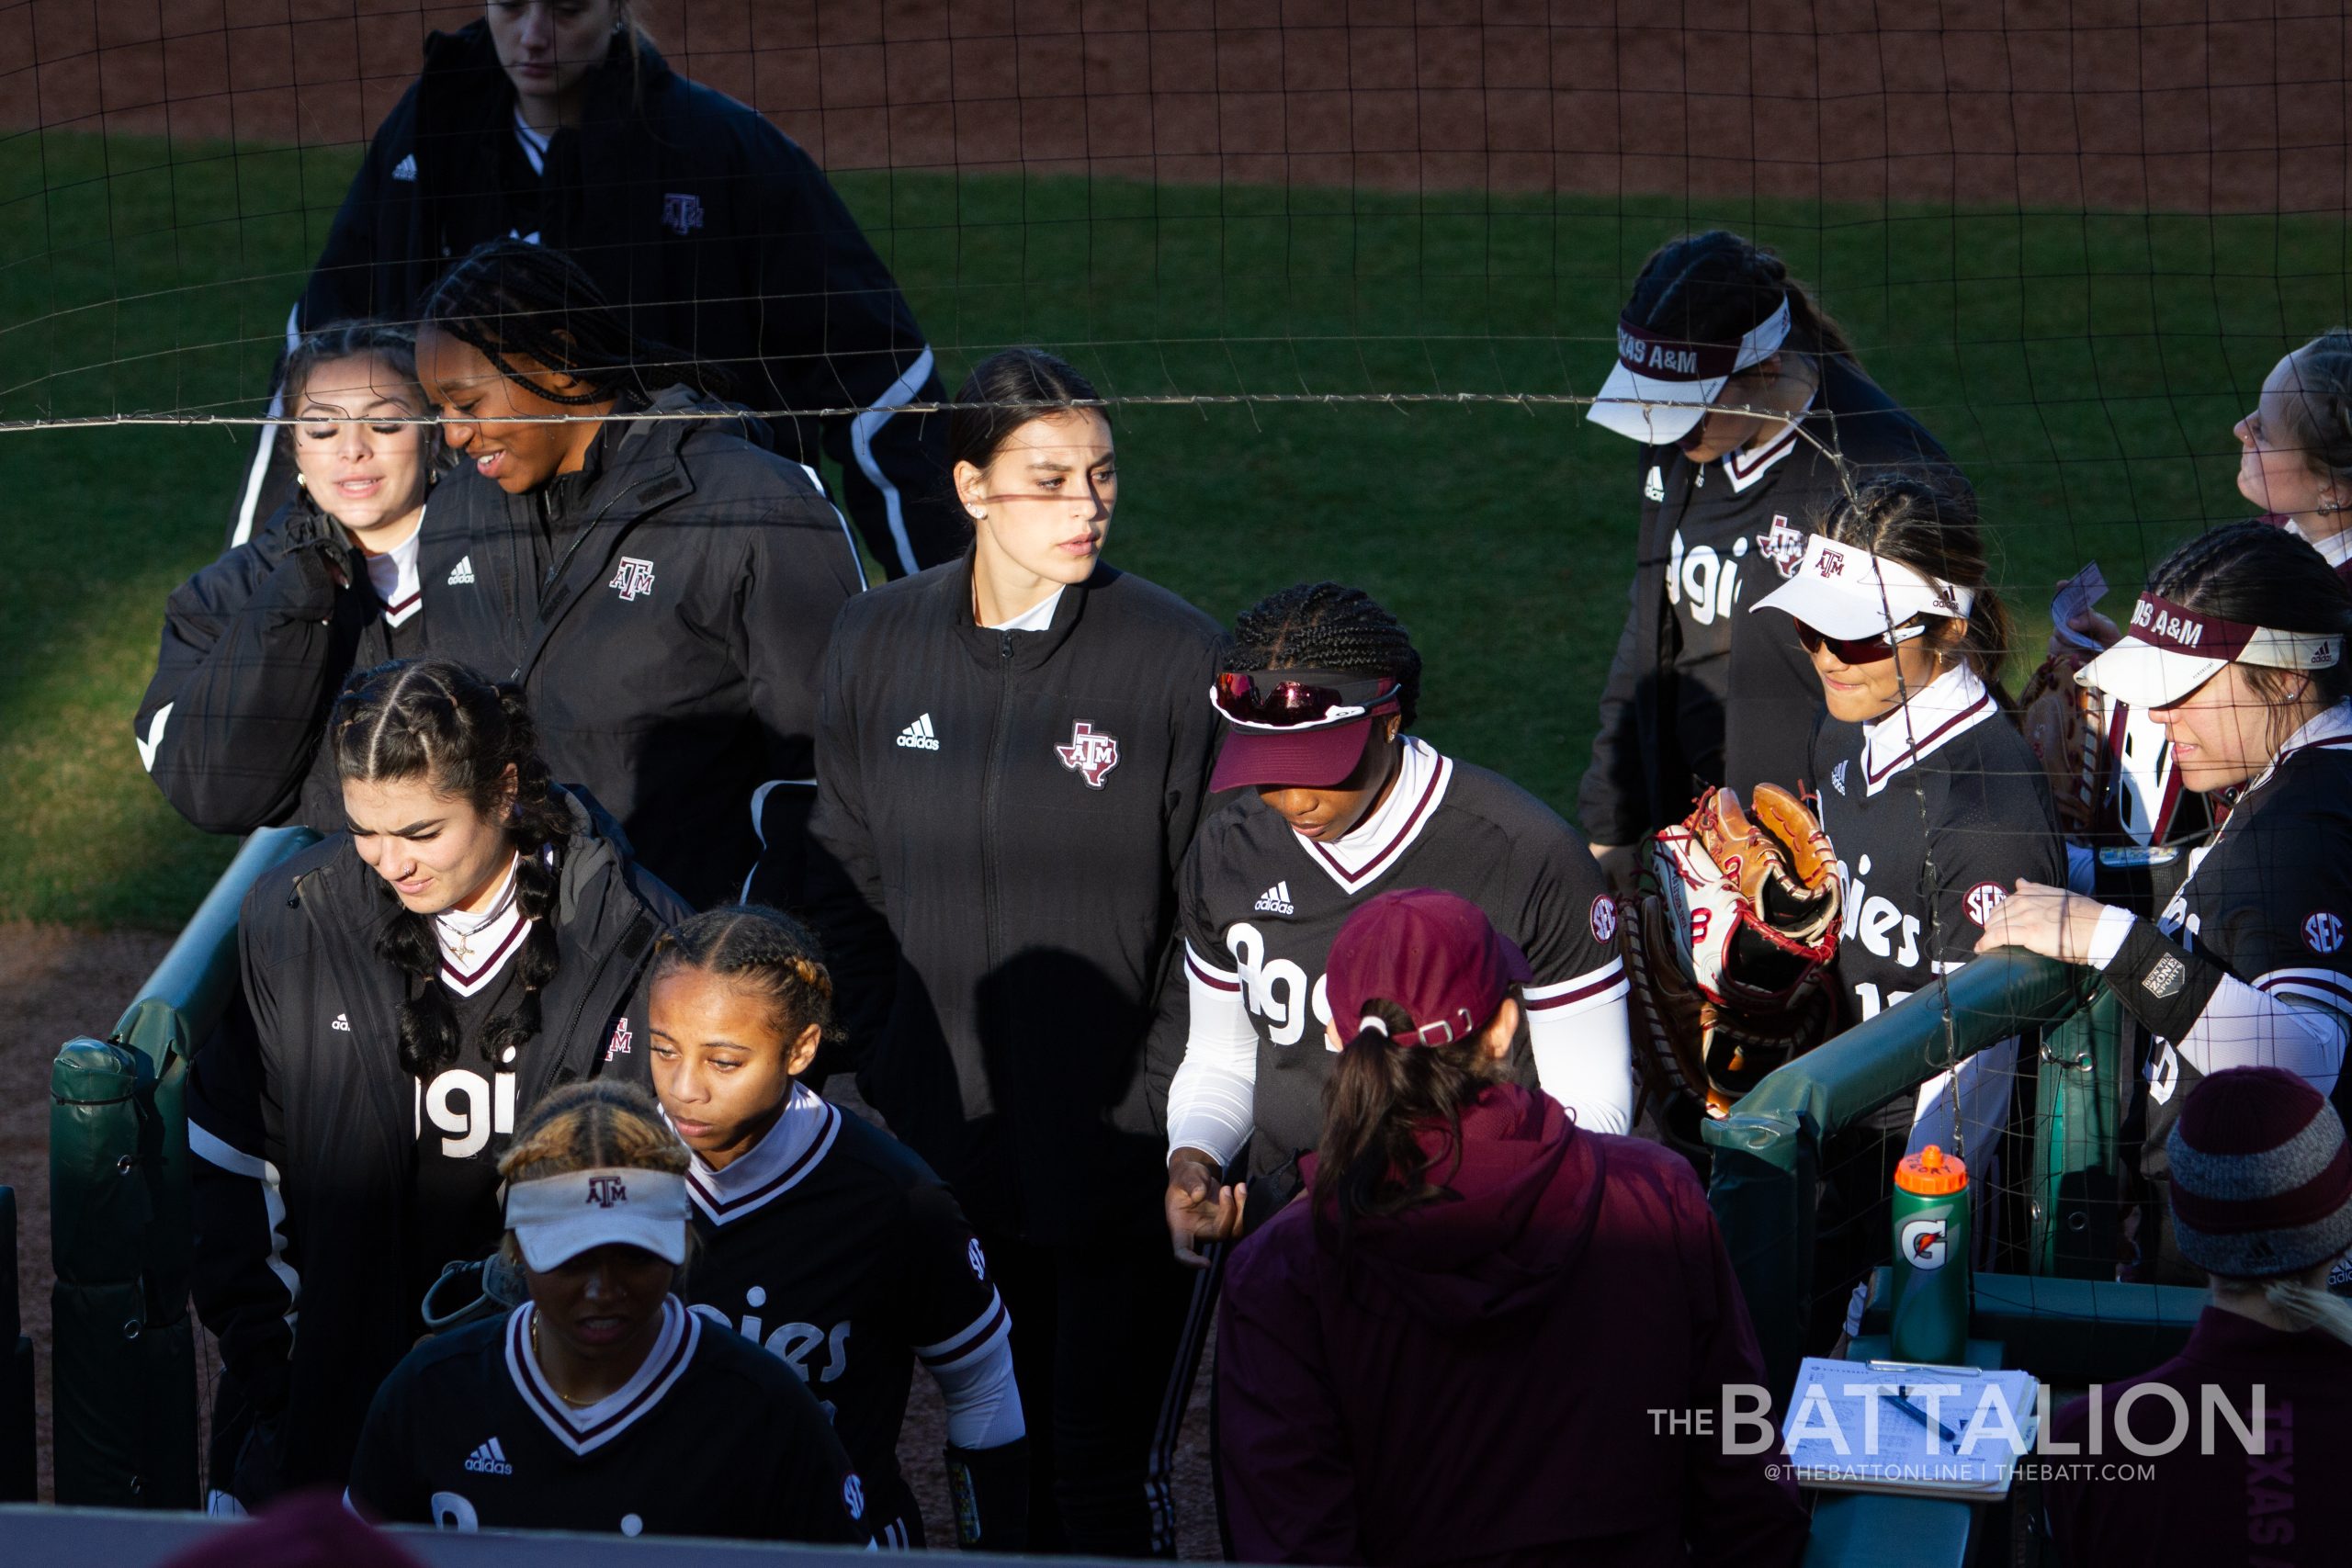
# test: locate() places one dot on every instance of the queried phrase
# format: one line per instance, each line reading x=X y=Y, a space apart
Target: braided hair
x=523 y=307
x=1928 y=524
x=2263 y=575
x=1325 y=626
x=2319 y=416
x=1718 y=287
x=435 y=720
x=758 y=950
x=597 y=1124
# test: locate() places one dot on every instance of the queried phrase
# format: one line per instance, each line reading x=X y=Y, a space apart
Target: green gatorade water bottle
x=1930 y=1258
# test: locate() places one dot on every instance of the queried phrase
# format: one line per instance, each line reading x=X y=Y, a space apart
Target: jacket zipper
x=988 y=790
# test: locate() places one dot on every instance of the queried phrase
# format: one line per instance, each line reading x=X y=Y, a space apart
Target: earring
x=301 y=481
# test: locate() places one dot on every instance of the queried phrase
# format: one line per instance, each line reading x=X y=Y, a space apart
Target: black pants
x=1095 y=1330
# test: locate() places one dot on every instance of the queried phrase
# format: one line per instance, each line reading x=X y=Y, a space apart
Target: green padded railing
x=1767 y=1153
x=120 y=1230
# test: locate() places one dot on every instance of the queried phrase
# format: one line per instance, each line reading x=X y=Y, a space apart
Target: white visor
x=1661 y=387
x=1845 y=591
x=557 y=1218
x=2170 y=650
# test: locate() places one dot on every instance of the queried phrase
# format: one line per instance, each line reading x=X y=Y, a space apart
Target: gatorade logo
x=1923 y=1242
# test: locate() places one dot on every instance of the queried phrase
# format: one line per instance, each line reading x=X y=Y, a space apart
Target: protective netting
x=1349 y=275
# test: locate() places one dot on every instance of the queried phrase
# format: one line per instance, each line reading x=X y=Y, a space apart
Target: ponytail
x=1377 y=1102
x=436 y=720
x=2301 y=1305
x=1719 y=287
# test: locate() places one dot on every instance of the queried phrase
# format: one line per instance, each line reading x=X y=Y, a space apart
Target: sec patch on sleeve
x=1982 y=900
x=1604 y=919
x=2322 y=931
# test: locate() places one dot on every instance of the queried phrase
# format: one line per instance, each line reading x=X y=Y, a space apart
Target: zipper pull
x=1004 y=645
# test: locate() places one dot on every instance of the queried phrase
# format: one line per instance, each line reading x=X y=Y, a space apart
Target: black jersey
x=832 y=1244
x=1944 y=784
x=711 y=1437
x=2259 y=925
x=1261 y=905
x=1700 y=689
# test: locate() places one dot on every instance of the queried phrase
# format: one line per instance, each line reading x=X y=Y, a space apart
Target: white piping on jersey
x=2331 y=728
x=973 y=1340
x=590 y=1427
x=153 y=741
x=393 y=575
x=1947 y=708
x=217 y=1151
x=1744 y=469
x=1374 y=844
x=485 y=940
x=803 y=1135
x=862 y=430
x=534 y=142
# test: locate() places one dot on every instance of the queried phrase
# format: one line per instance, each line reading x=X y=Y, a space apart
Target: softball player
x=1338 y=802
x=478 y=936
x=823 y=1238
x=2296 y=447
x=603 y=1403
x=256 y=644
x=2236 y=647
x=561 y=124
x=1012 y=754
x=659 y=581
x=1699 y=693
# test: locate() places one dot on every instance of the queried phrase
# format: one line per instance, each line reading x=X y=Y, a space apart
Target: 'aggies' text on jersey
x=1261 y=905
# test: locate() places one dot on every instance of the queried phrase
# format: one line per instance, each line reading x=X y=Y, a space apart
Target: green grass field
x=2086 y=371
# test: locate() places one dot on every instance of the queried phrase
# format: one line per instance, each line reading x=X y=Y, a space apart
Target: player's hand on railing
x=1202 y=1207
x=2044 y=920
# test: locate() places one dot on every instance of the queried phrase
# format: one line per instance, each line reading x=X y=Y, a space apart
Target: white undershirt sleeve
x=974 y=1371
x=1212 y=1101
x=1580 y=1031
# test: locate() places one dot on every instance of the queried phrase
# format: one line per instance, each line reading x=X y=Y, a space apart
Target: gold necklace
x=575 y=1404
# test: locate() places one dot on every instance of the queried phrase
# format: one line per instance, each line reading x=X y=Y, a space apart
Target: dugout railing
x=123 y=1346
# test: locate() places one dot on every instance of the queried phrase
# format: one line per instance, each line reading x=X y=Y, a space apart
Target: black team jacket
x=303 y=1129
x=671 y=646
x=716 y=232
x=1699 y=691
x=999 y=820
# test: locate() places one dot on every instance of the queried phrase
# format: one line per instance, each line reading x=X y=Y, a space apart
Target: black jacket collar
x=987 y=645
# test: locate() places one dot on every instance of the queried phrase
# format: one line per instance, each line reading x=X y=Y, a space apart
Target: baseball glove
x=2063 y=722
x=1727 y=954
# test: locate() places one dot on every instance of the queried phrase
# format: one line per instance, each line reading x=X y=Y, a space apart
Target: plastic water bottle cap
x=1931 y=1173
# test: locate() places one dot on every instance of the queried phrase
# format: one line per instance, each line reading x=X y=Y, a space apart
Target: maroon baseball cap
x=1303 y=728
x=1434 y=953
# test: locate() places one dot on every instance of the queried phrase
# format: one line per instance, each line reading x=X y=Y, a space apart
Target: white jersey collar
x=393 y=576
x=474 y=948
x=798 y=1142
x=591 y=1426
x=2330 y=728
x=534 y=142
x=1949 y=706
x=1744 y=469
x=1037 y=617
x=1379 y=841
x=2336 y=550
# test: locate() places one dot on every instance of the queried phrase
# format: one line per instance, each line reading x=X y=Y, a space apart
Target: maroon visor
x=1299 y=728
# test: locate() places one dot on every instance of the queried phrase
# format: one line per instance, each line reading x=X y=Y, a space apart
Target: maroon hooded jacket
x=1475 y=1384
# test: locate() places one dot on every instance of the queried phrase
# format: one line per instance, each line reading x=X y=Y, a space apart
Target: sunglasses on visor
x=1287 y=699
x=1859 y=650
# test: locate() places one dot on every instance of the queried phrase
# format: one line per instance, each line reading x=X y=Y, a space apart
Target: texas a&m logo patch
x=618 y=1044
x=1090 y=754
x=1784 y=547
x=634 y=579
x=605 y=1191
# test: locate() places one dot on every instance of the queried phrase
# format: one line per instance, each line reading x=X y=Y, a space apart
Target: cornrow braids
x=759 y=949
x=2319 y=416
x=591 y=1125
x=512 y=301
x=2251 y=572
x=1326 y=625
x=436 y=720
x=1719 y=287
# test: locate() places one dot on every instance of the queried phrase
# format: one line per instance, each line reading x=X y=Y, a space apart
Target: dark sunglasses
x=1859 y=650
x=1288 y=698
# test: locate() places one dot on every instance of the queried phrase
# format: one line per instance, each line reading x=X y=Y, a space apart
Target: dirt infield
x=2106 y=103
